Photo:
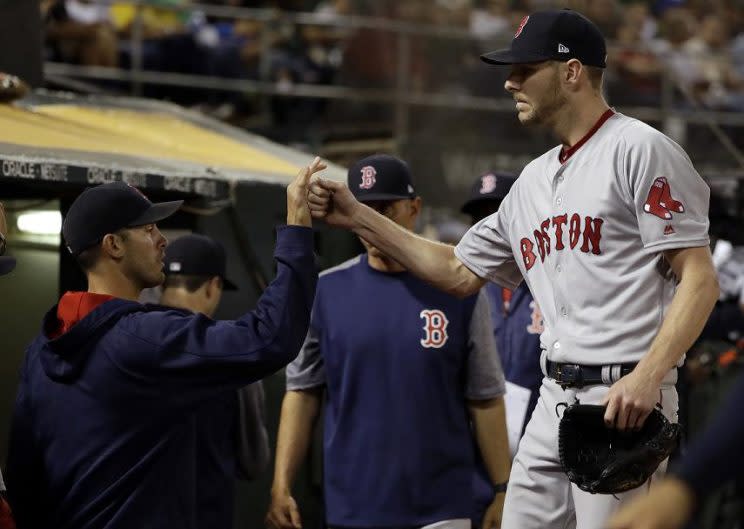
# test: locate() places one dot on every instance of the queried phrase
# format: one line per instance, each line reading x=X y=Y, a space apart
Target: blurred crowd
x=701 y=42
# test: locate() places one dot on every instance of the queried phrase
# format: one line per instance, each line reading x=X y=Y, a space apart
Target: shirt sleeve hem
x=299 y=386
x=676 y=244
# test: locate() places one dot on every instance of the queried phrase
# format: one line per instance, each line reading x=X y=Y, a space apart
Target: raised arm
x=432 y=261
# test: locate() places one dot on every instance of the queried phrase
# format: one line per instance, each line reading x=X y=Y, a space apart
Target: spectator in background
x=718 y=85
x=231 y=437
x=79 y=32
x=636 y=68
x=490 y=19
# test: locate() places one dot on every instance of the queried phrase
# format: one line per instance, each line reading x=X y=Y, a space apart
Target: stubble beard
x=545 y=114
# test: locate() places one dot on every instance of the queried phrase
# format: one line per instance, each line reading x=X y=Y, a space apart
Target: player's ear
x=572 y=71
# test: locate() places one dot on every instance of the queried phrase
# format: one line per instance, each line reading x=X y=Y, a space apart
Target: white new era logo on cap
x=175 y=266
x=562 y=48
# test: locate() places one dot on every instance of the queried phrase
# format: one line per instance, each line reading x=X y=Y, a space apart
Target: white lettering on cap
x=175 y=266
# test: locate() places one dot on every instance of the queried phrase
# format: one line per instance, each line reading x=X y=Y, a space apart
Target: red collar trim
x=73 y=307
x=565 y=154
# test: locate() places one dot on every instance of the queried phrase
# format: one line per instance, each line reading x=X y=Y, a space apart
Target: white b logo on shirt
x=435 y=328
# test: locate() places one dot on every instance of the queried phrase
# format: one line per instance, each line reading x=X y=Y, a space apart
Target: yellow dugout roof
x=90 y=140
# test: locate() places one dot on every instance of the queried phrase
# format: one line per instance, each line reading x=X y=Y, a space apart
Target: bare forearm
x=489 y=420
x=432 y=261
x=299 y=412
x=696 y=295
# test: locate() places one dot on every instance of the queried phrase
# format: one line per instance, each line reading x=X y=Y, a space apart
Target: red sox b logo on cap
x=435 y=328
x=368 y=177
x=488 y=183
x=660 y=202
x=522 y=24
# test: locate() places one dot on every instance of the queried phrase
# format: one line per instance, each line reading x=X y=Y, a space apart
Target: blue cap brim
x=508 y=56
x=156 y=213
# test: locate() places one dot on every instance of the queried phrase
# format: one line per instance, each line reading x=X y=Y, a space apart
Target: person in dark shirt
x=713 y=459
x=231 y=439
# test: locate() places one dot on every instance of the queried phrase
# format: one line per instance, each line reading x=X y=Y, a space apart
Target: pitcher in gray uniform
x=610 y=231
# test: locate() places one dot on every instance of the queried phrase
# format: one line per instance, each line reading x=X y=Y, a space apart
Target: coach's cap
x=108 y=208
x=494 y=185
x=380 y=177
x=197 y=255
x=557 y=35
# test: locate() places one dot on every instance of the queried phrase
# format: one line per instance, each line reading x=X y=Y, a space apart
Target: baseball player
x=103 y=433
x=517 y=320
x=7 y=264
x=609 y=229
x=710 y=461
x=231 y=439
x=406 y=367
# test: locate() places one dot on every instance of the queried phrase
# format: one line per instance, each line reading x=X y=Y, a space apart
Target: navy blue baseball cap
x=557 y=35
x=197 y=255
x=380 y=177
x=494 y=185
x=108 y=208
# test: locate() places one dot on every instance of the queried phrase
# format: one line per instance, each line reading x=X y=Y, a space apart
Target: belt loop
x=606 y=375
x=544 y=362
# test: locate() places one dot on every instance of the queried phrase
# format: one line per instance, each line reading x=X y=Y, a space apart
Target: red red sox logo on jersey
x=522 y=24
x=583 y=232
x=488 y=183
x=368 y=177
x=435 y=328
x=660 y=202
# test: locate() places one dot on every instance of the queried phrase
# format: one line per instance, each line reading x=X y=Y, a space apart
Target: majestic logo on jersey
x=368 y=177
x=522 y=24
x=435 y=328
x=668 y=229
x=536 y=325
x=586 y=233
x=488 y=184
x=660 y=202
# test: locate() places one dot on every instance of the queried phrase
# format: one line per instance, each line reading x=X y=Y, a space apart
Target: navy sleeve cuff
x=293 y=239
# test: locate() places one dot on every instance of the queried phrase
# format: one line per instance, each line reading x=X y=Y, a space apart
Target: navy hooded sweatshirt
x=103 y=432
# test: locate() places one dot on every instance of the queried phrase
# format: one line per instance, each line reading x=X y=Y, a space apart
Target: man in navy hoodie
x=7 y=264
x=103 y=432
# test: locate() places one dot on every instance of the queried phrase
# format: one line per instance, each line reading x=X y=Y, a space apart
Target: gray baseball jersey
x=587 y=229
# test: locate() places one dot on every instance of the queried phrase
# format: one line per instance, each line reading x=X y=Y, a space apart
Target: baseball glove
x=604 y=460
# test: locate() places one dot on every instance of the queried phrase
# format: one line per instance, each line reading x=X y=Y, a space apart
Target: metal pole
x=403 y=83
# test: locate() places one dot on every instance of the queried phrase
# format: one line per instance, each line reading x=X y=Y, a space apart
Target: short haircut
x=595 y=75
x=190 y=282
x=87 y=258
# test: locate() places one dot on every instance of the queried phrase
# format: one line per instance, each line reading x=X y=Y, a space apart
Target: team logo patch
x=435 y=328
x=522 y=24
x=536 y=326
x=660 y=202
x=368 y=177
x=488 y=184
